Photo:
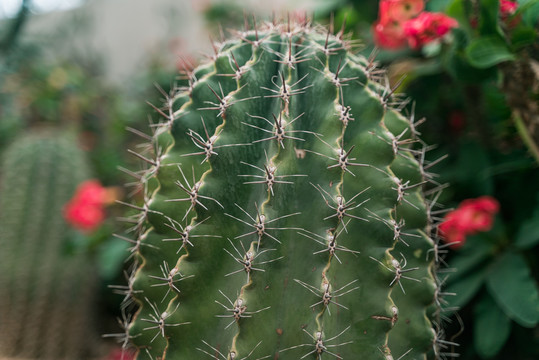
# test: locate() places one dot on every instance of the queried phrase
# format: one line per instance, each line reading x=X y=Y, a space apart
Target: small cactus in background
x=284 y=214
x=47 y=287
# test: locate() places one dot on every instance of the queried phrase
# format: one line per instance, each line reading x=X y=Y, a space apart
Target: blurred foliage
x=46 y=86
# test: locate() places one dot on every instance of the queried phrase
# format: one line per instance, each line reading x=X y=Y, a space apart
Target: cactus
x=46 y=286
x=284 y=213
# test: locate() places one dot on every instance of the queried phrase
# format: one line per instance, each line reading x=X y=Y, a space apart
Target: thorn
x=343 y=27
x=151 y=162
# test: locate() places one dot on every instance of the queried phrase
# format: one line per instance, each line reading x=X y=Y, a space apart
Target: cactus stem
x=387 y=353
x=269 y=177
x=193 y=192
x=342 y=157
x=329 y=242
x=399 y=270
x=123 y=337
x=127 y=291
x=395 y=226
x=237 y=75
x=393 y=319
x=274 y=64
x=185 y=233
x=159 y=319
x=285 y=91
x=326 y=294
x=207 y=146
x=320 y=344
x=342 y=206
x=169 y=278
x=247 y=260
x=402 y=188
x=290 y=60
x=260 y=224
x=224 y=101
x=239 y=309
x=344 y=113
x=232 y=355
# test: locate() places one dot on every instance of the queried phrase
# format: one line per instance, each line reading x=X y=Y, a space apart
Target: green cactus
x=284 y=213
x=47 y=290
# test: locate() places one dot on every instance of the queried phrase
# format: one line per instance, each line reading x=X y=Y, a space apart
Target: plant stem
x=525 y=135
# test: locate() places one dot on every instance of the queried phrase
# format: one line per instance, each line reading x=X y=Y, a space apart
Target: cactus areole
x=284 y=213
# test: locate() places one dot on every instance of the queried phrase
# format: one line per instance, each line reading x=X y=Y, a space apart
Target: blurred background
x=75 y=80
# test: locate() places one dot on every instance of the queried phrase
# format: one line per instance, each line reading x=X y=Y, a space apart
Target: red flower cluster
x=404 y=21
x=507 y=9
x=471 y=217
x=85 y=211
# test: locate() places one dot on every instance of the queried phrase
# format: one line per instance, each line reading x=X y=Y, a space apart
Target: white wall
x=127 y=32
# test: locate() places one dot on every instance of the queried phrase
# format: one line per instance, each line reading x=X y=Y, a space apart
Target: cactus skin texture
x=47 y=289
x=283 y=142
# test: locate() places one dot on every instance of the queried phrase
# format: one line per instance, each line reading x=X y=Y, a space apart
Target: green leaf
x=465 y=288
x=111 y=257
x=530 y=9
x=511 y=285
x=473 y=255
x=531 y=15
x=459 y=9
x=523 y=36
x=488 y=19
x=487 y=51
x=528 y=234
x=492 y=327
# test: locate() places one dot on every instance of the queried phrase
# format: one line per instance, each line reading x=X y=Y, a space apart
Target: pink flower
x=451 y=232
x=91 y=192
x=478 y=214
x=389 y=35
x=401 y=21
x=427 y=27
x=507 y=9
x=388 y=31
x=472 y=216
x=85 y=210
x=399 y=10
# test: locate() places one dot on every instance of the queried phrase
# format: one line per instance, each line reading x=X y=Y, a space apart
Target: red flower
x=389 y=35
x=399 y=10
x=401 y=21
x=388 y=31
x=472 y=216
x=427 y=27
x=85 y=211
x=507 y=9
x=451 y=231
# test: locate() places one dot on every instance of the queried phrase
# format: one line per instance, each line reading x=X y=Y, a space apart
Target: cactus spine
x=46 y=288
x=283 y=215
